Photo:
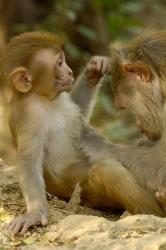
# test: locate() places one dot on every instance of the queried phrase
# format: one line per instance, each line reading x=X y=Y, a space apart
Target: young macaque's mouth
x=66 y=87
x=143 y=131
x=154 y=137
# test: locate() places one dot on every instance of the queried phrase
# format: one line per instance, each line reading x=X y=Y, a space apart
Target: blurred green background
x=87 y=27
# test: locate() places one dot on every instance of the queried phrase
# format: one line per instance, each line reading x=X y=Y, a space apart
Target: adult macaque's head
x=139 y=80
x=35 y=62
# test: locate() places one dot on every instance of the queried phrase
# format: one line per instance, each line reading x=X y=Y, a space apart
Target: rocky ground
x=73 y=227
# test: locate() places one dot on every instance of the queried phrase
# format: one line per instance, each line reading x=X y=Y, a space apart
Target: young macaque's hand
x=22 y=223
x=97 y=67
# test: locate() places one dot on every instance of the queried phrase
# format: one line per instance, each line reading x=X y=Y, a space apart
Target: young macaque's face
x=47 y=75
x=134 y=88
x=52 y=73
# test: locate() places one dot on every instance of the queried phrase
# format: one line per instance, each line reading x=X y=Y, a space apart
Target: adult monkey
x=139 y=84
x=47 y=127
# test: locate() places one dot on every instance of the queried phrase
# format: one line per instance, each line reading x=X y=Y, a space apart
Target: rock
x=81 y=232
x=76 y=226
x=45 y=248
x=69 y=231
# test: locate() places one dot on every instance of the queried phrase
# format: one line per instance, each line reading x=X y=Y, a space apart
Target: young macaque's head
x=35 y=62
x=139 y=80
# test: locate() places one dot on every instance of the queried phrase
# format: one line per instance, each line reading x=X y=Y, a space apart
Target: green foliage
x=68 y=19
x=87 y=32
x=77 y=23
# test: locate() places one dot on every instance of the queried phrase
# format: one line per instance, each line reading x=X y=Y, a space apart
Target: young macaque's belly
x=60 y=151
x=64 y=164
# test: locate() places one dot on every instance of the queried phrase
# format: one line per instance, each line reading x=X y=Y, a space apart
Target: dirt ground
x=74 y=227
x=12 y=204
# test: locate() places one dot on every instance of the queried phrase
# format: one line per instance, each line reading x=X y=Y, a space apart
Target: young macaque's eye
x=61 y=59
x=60 y=62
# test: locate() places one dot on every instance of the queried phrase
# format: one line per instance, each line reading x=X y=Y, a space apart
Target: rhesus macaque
x=44 y=121
x=141 y=88
x=138 y=84
x=48 y=124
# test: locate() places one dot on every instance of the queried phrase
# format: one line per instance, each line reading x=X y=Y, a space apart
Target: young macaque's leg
x=108 y=184
x=30 y=173
x=88 y=84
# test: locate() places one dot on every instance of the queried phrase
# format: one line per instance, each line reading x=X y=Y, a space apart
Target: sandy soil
x=12 y=204
x=74 y=227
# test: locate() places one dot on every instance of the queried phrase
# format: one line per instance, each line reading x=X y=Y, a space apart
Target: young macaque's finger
x=18 y=227
x=24 y=228
x=12 y=225
x=44 y=221
x=104 y=68
x=93 y=62
x=99 y=65
x=90 y=67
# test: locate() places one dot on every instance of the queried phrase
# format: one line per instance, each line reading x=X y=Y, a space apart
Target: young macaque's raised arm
x=88 y=84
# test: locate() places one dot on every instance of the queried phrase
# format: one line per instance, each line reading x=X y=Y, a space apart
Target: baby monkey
x=45 y=121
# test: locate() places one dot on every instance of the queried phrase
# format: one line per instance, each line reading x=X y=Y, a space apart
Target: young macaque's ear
x=141 y=71
x=21 y=79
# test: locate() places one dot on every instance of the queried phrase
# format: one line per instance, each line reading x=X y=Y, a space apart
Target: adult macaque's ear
x=141 y=70
x=21 y=79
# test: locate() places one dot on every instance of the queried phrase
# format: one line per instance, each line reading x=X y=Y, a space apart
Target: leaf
x=4 y=216
x=29 y=241
x=71 y=15
x=72 y=50
x=2 y=248
x=132 y=7
x=51 y=236
x=87 y=32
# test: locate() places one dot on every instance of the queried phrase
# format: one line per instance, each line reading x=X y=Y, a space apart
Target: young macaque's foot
x=161 y=197
x=97 y=67
x=22 y=223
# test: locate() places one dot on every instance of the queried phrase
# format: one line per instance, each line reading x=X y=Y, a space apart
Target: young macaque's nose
x=70 y=72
